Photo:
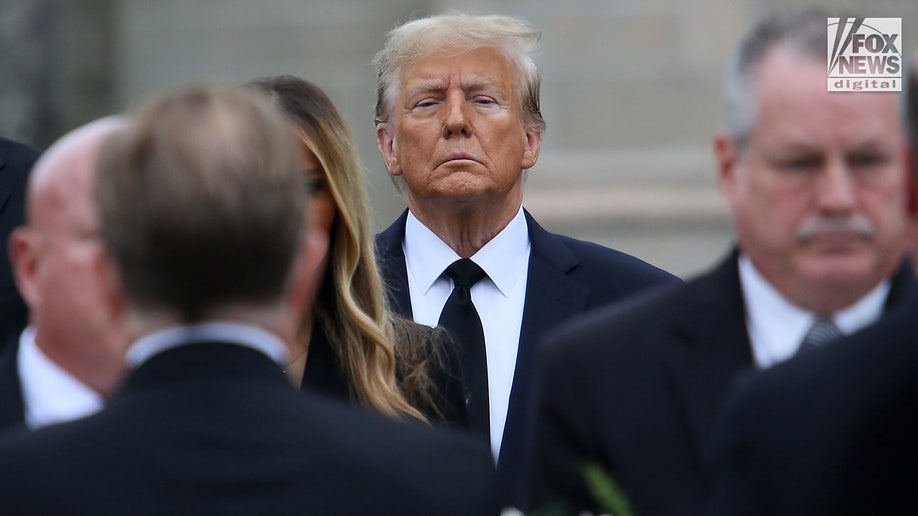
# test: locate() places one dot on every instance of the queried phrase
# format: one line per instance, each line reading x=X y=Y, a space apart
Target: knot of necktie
x=820 y=333
x=464 y=272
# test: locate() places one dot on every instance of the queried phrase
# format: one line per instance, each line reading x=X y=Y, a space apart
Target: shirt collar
x=781 y=325
x=426 y=254
x=50 y=394
x=232 y=333
x=502 y=258
x=865 y=311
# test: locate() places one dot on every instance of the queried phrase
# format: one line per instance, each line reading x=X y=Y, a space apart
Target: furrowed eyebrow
x=425 y=86
x=479 y=83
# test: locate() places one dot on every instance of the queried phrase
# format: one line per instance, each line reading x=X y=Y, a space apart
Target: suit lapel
x=712 y=330
x=391 y=257
x=903 y=288
x=551 y=298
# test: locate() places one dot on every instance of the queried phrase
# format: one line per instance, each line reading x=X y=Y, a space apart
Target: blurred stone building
x=631 y=90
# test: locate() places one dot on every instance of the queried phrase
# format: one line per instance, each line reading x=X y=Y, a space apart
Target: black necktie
x=820 y=333
x=461 y=319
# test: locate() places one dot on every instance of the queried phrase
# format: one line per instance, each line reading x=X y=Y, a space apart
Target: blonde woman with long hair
x=352 y=346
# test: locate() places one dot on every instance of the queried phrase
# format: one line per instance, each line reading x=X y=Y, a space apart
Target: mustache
x=857 y=224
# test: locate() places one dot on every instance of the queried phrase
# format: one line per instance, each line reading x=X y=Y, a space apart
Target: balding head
x=68 y=166
x=56 y=257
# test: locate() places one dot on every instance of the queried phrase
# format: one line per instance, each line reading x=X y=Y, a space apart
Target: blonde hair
x=351 y=305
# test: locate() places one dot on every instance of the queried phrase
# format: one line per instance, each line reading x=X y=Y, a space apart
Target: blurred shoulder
x=440 y=467
x=19 y=153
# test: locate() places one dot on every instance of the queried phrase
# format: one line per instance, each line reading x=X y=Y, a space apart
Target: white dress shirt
x=224 y=332
x=49 y=393
x=776 y=327
x=499 y=299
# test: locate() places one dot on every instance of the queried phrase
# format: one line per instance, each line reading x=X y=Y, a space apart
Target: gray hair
x=516 y=38
x=800 y=31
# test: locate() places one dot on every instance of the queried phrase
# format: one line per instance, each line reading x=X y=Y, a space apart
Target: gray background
x=631 y=90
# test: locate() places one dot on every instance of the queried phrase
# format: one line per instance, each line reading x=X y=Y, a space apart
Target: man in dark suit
x=71 y=356
x=833 y=432
x=817 y=188
x=210 y=266
x=458 y=123
x=16 y=160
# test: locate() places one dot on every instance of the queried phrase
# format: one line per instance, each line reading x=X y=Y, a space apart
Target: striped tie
x=821 y=332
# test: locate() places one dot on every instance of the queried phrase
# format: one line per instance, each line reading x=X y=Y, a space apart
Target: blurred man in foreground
x=833 y=432
x=72 y=354
x=211 y=265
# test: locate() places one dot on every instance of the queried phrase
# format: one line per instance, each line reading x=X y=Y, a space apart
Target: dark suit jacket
x=12 y=410
x=16 y=161
x=215 y=428
x=831 y=432
x=651 y=377
x=567 y=278
x=325 y=375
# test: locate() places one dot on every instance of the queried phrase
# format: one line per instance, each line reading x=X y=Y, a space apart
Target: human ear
x=385 y=140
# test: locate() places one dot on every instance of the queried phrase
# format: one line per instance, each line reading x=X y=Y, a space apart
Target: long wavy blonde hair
x=350 y=306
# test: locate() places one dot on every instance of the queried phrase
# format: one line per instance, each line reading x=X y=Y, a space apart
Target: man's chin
x=841 y=268
x=460 y=188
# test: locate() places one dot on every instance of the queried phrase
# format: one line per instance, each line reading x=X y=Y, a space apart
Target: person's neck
x=295 y=367
x=465 y=227
x=101 y=371
x=829 y=296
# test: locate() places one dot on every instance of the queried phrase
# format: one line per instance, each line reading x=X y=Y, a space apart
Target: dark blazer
x=651 y=377
x=12 y=409
x=832 y=432
x=215 y=428
x=16 y=160
x=325 y=375
x=567 y=278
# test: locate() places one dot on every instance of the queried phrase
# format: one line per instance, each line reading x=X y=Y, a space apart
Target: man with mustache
x=817 y=187
x=458 y=122
x=830 y=433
